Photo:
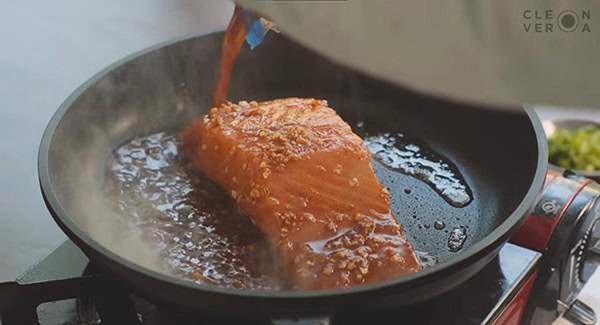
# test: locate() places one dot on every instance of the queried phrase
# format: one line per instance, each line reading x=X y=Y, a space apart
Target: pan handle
x=302 y=320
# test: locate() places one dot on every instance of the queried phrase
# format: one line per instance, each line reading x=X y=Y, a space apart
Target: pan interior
x=165 y=89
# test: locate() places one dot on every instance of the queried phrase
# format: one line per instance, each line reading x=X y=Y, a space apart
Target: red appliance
x=564 y=228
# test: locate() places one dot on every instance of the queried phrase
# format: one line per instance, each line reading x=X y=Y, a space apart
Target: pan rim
x=494 y=239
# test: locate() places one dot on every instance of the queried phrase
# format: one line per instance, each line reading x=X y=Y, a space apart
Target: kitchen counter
x=49 y=49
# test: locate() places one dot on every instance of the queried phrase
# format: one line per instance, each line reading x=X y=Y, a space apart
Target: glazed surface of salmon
x=307 y=182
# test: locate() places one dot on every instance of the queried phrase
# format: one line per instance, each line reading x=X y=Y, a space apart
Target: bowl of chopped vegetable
x=574 y=145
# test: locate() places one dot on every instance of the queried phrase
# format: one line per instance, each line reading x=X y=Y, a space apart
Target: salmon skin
x=307 y=182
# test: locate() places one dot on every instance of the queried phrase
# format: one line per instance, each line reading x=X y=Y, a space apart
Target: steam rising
x=162 y=91
x=86 y=204
x=194 y=224
x=149 y=94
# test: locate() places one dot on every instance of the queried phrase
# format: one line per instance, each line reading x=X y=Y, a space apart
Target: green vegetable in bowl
x=579 y=150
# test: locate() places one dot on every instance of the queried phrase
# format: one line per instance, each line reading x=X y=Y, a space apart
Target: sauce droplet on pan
x=398 y=154
x=439 y=225
x=457 y=238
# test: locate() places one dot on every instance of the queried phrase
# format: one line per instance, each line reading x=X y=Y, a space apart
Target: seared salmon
x=307 y=182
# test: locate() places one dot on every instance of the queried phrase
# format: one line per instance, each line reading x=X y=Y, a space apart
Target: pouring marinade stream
x=234 y=38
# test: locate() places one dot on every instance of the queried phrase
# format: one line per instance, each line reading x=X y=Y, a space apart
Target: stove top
x=66 y=289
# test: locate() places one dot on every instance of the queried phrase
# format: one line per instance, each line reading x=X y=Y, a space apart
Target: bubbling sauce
x=194 y=224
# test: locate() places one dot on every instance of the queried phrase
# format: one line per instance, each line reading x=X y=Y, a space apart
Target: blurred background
x=48 y=49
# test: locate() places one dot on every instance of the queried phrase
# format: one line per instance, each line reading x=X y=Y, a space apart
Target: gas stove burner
x=137 y=311
x=122 y=307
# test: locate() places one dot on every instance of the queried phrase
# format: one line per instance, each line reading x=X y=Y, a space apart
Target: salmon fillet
x=307 y=182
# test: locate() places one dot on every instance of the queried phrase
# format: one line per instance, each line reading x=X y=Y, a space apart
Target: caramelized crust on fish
x=306 y=180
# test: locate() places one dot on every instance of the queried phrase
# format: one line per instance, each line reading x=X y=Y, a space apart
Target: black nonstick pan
x=501 y=156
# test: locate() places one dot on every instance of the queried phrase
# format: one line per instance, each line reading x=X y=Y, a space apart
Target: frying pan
x=502 y=157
